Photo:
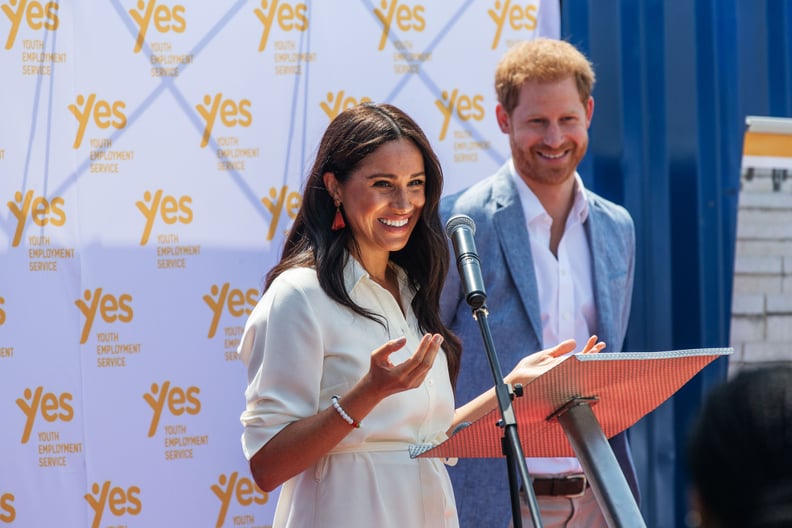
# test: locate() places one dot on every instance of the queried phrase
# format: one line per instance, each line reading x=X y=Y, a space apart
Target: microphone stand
x=510 y=441
x=461 y=229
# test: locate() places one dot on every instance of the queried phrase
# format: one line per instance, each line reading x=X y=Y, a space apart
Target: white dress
x=308 y=348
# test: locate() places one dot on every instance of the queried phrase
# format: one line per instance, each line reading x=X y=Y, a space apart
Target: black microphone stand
x=512 y=448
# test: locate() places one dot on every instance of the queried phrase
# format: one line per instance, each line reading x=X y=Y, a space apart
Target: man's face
x=548 y=131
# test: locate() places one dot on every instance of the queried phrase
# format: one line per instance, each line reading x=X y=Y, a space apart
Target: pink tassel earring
x=338 y=219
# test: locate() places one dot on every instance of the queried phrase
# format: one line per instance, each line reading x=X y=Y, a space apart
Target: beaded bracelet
x=348 y=419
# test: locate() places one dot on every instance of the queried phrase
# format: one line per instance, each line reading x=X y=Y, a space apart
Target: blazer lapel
x=603 y=260
x=509 y=222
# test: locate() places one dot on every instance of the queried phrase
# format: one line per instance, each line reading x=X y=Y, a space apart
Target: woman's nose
x=401 y=199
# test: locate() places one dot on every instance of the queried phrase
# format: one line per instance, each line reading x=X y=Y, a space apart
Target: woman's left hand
x=534 y=365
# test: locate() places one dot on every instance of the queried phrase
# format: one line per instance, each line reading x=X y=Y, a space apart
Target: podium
x=572 y=409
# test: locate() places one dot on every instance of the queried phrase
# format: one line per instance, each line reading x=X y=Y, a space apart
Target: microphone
x=460 y=229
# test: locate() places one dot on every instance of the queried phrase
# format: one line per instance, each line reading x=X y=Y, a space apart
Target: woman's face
x=383 y=198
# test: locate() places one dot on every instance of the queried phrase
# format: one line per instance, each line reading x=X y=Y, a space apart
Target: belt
x=567 y=486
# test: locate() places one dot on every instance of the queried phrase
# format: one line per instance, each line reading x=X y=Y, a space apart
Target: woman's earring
x=338 y=219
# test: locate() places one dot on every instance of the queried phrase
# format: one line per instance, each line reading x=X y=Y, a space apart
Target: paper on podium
x=626 y=385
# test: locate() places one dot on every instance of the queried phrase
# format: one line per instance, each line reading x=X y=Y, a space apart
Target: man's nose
x=554 y=137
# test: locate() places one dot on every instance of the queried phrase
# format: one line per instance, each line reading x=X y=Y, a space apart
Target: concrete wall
x=761 y=328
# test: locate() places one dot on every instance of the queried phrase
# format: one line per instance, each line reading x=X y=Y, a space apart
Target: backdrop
x=151 y=159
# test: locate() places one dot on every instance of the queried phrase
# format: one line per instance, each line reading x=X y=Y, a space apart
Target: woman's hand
x=529 y=368
x=387 y=378
x=532 y=366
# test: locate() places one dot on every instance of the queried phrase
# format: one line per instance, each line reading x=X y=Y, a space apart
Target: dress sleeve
x=282 y=350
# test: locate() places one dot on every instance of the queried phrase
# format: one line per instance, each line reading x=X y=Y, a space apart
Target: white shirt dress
x=308 y=348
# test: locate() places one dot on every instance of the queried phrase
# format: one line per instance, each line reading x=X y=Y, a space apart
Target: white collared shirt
x=564 y=284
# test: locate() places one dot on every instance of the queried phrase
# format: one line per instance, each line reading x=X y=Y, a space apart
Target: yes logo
x=518 y=17
x=177 y=400
x=118 y=501
x=337 y=102
x=244 y=490
x=405 y=18
x=231 y=113
x=276 y=203
x=36 y=15
x=287 y=16
x=7 y=510
x=239 y=303
x=466 y=108
x=41 y=211
x=52 y=407
x=165 y=19
x=2 y=312
x=104 y=115
x=110 y=307
x=169 y=208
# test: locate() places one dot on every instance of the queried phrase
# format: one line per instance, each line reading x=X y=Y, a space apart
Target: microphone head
x=457 y=221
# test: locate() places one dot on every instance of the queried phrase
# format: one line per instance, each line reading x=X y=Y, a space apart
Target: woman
x=348 y=362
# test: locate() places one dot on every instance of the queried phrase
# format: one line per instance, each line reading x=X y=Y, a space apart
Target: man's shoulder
x=477 y=193
x=476 y=197
x=603 y=207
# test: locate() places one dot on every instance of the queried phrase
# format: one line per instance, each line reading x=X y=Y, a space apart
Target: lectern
x=572 y=409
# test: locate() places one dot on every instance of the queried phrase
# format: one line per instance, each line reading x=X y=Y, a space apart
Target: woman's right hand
x=387 y=378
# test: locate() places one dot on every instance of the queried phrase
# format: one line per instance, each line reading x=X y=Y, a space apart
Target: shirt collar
x=533 y=208
x=354 y=273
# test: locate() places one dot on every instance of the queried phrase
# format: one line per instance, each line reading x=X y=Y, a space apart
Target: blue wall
x=675 y=80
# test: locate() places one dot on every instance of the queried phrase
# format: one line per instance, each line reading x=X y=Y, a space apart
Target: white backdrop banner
x=151 y=159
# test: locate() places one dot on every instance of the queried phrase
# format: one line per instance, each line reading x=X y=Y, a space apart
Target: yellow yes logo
x=165 y=19
x=169 y=208
x=105 y=114
x=7 y=510
x=466 y=108
x=109 y=307
x=231 y=113
x=177 y=400
x=118 y=501
x=275 y=204
x=405 y=18
x=2 y=312
x=519 y=17
x=36 y=15
x=288 y=16
x=338 y=102
x=239 y=303
x=243 y=489
x=52 y=407
x=41 y=211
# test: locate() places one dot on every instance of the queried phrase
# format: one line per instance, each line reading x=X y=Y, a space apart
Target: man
x=558 y=263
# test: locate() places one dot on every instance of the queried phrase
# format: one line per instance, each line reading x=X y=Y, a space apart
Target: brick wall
x=761 y=327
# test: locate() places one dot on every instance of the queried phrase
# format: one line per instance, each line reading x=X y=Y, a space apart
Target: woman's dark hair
x=352 y=136
x=740 y=451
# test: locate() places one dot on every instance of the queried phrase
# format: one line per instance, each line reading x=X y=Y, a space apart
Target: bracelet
x=348 y=419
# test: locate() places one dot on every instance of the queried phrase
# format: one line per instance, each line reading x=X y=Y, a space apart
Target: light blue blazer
x=481 y=486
